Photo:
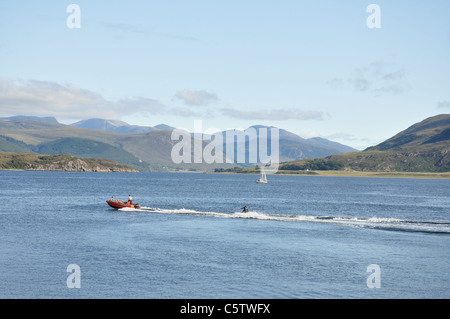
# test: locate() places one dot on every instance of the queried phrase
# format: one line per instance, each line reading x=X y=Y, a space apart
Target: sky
x=314 y=68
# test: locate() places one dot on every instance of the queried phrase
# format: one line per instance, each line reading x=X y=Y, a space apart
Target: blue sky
x=311 y=67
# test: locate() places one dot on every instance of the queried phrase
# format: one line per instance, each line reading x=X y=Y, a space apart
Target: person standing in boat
x=130 y=199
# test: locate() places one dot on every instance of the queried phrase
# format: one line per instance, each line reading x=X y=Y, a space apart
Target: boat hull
x=121 y=204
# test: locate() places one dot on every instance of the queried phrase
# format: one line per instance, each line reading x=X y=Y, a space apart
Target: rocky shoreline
x=65 y=163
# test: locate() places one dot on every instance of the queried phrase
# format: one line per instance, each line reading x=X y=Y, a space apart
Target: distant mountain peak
x=49 y=119
x=164 y=127
x=97 y=123
x=152 y=145
x=119 y=126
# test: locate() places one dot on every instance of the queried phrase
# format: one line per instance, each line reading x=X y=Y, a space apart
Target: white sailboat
x=263 y=178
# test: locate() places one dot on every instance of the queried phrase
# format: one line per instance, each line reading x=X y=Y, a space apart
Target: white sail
x=263 y=178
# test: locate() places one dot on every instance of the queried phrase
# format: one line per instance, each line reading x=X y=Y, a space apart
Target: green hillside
x=378 y=161
x=432 y=130
x=153 y=148
x=86 y=148
x=9 y=144
x=423 y=147
x=79 y=147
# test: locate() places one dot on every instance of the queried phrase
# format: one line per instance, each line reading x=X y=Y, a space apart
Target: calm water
x=304 y=237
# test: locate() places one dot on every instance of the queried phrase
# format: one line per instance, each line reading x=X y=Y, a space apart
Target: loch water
x=303 y=237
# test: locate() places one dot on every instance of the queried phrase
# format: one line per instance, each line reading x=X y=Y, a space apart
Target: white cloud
x=443 y=104
x=342 y=136
x=377 y=77
x=275 y=115
x=184 y=112
x=357 y=142
x=142 y=105
x=196 y=97
x=42 y=98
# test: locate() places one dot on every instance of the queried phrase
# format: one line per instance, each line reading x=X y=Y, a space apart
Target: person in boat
x=130 y=199
x=244 y=209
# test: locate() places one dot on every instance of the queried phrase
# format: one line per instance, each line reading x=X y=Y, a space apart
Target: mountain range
x=142 y=147
x=119 y=126
x=422 y=147
x=298 y=148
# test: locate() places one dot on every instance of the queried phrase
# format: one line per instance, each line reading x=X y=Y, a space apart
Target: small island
x=63 y=162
